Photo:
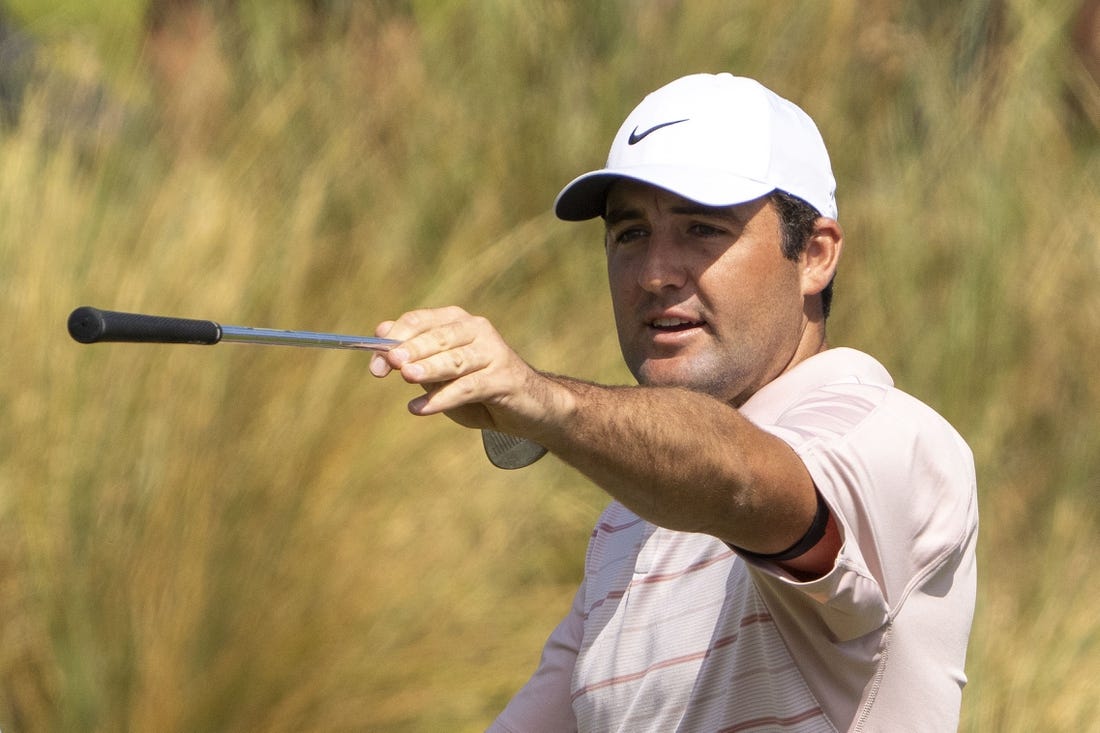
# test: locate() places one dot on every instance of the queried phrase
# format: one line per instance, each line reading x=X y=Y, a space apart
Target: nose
x=662 y=265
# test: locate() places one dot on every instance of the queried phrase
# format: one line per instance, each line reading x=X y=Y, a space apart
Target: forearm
x=680 y=459
x=683 y=460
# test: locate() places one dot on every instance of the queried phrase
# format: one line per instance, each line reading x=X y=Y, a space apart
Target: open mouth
x=674 y=325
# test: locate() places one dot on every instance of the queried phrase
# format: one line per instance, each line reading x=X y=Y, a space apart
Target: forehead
x=627 y=198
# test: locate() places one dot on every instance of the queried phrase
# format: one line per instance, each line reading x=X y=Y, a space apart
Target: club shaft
x=91 y=325
x=277 y=337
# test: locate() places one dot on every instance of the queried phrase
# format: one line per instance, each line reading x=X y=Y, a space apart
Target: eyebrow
x=616 y=215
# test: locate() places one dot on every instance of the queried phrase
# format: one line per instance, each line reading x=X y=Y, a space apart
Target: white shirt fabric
x=673 y=631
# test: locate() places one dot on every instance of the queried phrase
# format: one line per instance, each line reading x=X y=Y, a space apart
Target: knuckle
x=441 y=337
x=457 y=359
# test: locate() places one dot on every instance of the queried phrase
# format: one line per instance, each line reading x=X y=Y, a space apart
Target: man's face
x=703 y=297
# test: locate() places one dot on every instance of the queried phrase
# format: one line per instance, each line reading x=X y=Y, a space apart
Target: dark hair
x=796 y=217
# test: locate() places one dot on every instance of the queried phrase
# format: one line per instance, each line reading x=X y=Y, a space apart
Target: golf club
x=90 y=325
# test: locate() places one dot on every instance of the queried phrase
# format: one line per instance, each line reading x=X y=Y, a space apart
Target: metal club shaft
x=277 y=337
x=91 y=325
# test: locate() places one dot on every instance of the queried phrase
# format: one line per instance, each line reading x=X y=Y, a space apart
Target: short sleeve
x=900 y=482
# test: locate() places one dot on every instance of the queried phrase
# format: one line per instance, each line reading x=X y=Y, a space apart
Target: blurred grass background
x=261 y=539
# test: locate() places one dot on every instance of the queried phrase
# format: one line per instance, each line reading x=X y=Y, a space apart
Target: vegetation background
x=262 y=539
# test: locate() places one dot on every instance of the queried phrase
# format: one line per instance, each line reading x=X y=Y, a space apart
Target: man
x=791 y=541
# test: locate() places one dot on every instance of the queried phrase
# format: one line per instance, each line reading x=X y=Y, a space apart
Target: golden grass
x=257 y=538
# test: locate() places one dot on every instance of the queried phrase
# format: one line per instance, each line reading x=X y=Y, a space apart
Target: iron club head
x=508 y=451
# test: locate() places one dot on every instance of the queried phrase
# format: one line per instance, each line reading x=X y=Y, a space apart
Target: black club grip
x=89 y=325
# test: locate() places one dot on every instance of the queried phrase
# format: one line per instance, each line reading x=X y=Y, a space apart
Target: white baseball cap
x=716 y=139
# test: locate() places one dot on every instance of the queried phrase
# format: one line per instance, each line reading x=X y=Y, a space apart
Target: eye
x=701 y=229
x=626 y=235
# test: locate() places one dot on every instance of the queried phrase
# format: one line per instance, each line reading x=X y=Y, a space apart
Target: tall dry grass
x=246 y=538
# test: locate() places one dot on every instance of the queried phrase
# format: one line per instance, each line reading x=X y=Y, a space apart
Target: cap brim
x=585 y=197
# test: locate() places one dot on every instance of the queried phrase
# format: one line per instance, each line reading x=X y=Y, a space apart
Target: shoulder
x=844 y=392
x=884 y=445
x=898 y=476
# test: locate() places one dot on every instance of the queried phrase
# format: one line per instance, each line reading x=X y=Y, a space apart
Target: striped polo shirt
x=673 y=631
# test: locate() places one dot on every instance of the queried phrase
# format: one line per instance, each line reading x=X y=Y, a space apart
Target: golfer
x=790 y=541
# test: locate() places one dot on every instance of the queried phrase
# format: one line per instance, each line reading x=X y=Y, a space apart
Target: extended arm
x=680 y=459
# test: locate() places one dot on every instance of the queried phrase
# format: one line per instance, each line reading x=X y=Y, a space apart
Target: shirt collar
x=831 y=366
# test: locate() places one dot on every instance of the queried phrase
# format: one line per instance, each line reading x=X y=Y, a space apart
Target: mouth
x=674 y=325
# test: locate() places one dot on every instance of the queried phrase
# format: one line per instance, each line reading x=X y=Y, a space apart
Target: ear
x=819 y=260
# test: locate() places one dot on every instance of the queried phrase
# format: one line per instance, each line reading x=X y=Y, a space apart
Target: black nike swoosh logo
x=636 y=137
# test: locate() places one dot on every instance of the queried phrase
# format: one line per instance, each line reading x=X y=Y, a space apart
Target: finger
x=445 y=365
x=379 y=367
x=423 y=333
x=442 y=338
x=417 y=322
x=426 y=404
x=448 y=396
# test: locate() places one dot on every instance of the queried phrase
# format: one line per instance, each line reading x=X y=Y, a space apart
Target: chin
x=693 y=375
x=656 y=372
